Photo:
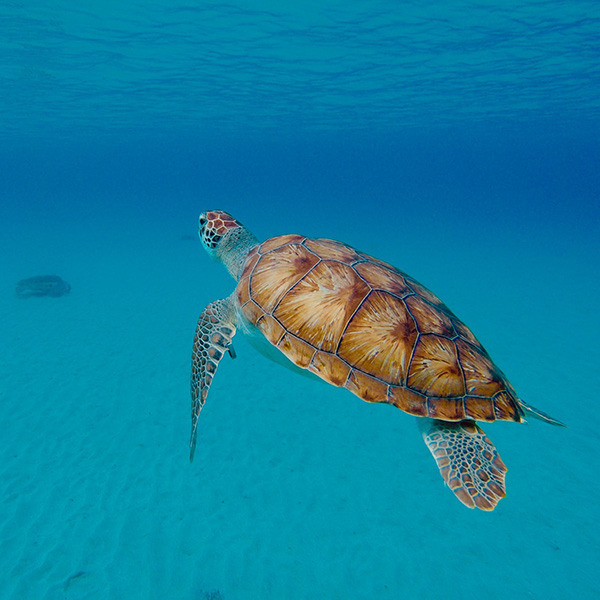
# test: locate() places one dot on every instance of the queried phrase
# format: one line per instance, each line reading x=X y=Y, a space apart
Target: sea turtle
x=360 y=323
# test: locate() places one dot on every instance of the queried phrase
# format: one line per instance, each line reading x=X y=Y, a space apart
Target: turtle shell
x=360 y=323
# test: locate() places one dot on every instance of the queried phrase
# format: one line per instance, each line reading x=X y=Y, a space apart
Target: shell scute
x=280 y=241
x=252 y=311
x=480 y=409
x=297 y=350
x=277 y=272
x=427 y=294
x=332 y=250
x=243 y=290
x=380 y=337
x=435 y=369
x=384 y=278
x=505 y=407
x=367 y=387
x=451 y=409
x=330 y=367
x=271 y=329
x=251 y=260
x=318 y=307
x=428 y=318
x=465 y=333
x=408 y=401
x=481 y=376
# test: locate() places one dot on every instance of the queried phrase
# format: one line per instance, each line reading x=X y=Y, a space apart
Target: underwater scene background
x=458 y=141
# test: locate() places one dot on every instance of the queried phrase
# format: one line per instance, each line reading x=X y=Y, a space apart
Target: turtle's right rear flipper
x=214 y=333
x=468 y=461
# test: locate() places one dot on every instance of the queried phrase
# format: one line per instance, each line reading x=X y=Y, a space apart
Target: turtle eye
x=212 y=240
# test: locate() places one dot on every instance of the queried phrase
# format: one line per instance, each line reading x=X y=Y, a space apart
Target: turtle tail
x=538 y=414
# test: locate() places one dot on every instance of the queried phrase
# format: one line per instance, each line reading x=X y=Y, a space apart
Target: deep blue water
x=459 y=141
x=325 y=100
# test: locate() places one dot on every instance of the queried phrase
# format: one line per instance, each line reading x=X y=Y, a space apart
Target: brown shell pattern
x=360 y=323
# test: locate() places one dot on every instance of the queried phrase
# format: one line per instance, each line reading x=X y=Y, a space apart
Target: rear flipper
x=538 y=414
x=468 y=461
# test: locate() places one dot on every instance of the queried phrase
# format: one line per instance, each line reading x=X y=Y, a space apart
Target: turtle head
x=213 y=227
x=225 y=239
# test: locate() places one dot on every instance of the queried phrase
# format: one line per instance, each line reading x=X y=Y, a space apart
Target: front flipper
x=214 y=332
x=468 y=461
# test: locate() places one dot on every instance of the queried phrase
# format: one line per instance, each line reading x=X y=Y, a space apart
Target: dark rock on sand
x=42 y=285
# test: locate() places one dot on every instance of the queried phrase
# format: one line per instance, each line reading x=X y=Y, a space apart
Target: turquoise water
x=458 y=141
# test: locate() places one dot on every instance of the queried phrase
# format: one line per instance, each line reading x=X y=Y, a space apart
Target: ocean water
x=458 y=141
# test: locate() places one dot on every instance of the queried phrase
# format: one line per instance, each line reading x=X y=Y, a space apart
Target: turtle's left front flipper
x=468 y=461
x=214 y=333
